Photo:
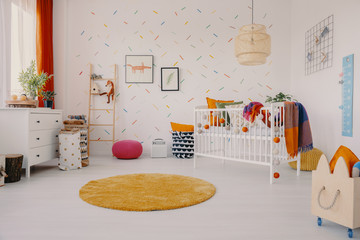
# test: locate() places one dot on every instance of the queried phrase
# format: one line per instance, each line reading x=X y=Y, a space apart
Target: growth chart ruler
x=347 y=95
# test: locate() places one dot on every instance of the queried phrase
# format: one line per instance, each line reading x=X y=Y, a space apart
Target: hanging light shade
x=253 y=44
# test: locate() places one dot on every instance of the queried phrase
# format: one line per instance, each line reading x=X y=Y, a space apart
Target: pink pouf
x=127 y=149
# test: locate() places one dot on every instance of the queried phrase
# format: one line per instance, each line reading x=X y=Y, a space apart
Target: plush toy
x=110 y=92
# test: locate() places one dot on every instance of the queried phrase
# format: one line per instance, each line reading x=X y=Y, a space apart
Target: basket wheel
x=350 y=233
x=319 y=221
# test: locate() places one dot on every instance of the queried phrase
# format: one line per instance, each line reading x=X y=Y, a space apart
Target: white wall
x=320 y=91
x=85 y=26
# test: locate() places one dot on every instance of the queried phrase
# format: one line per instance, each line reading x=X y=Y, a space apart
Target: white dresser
x=31 y=132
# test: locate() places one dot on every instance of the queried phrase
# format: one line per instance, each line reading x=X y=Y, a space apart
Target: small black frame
x=163 y=85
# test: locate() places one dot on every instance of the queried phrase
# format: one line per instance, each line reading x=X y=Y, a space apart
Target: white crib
x=230 y=142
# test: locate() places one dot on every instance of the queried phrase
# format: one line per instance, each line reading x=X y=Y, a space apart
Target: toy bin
x=70 y=152
x=336 y=196
x=183 y=144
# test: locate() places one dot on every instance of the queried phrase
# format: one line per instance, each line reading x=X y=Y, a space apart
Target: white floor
x=245 y=206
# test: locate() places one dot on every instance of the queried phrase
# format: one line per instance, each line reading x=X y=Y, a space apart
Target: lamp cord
x=252 y=11
x=252 y=21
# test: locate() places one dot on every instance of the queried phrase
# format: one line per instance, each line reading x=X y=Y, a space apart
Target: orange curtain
x=44 y=41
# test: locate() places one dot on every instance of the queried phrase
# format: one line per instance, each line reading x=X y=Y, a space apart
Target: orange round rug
x=146 y=192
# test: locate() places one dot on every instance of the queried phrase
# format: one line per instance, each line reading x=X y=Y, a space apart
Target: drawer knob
x=57 y=121
x=38 y=155
x=38 y=121
x=56 y=150
x=38 y=139
x=57 y=136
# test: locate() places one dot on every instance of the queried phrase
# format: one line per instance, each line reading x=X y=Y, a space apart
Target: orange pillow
x=181 y=127
x=349 y=157
x=212 y=104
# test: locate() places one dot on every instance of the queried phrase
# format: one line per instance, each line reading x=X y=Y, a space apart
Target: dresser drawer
x=43 y=137
x=44 y=121
x=43 y=154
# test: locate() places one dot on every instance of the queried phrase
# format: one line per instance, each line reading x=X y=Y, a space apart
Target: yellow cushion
x=182 y=127
x=212 y=104
x=308 y=160
x=349 y=157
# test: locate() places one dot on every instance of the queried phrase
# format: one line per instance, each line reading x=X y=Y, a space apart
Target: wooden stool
x=13 y=167
x=2 y=170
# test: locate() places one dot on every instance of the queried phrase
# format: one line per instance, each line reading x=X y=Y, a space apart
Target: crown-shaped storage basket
x=336 y=196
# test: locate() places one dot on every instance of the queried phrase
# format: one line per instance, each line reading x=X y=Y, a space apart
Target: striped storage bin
x=183 y=144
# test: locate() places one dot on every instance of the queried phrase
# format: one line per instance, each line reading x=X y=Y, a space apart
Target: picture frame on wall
x=170 y=79
x=139 y=68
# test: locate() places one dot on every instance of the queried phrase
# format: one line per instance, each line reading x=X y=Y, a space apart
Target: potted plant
x=280 y=97
x=48 y=98
x=32 y=82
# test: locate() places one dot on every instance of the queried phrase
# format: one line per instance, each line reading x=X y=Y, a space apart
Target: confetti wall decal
x=198 y=38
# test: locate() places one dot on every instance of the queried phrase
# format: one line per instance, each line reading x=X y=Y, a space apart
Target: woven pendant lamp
x=253 y=44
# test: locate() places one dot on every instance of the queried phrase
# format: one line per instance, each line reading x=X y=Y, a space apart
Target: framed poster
x=139 y=68
x=170 y=79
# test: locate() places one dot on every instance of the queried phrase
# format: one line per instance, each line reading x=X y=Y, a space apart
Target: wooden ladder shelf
x=92 y=108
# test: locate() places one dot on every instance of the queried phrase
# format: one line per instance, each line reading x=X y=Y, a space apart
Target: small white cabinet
x=33 y=132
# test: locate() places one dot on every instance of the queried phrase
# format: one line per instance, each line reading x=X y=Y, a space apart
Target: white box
x=158 y=148
x=2 y=170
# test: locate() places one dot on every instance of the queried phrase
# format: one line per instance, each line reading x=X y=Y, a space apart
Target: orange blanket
x=297 y=129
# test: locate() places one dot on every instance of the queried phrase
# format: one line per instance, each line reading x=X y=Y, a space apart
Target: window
x=23 y=39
